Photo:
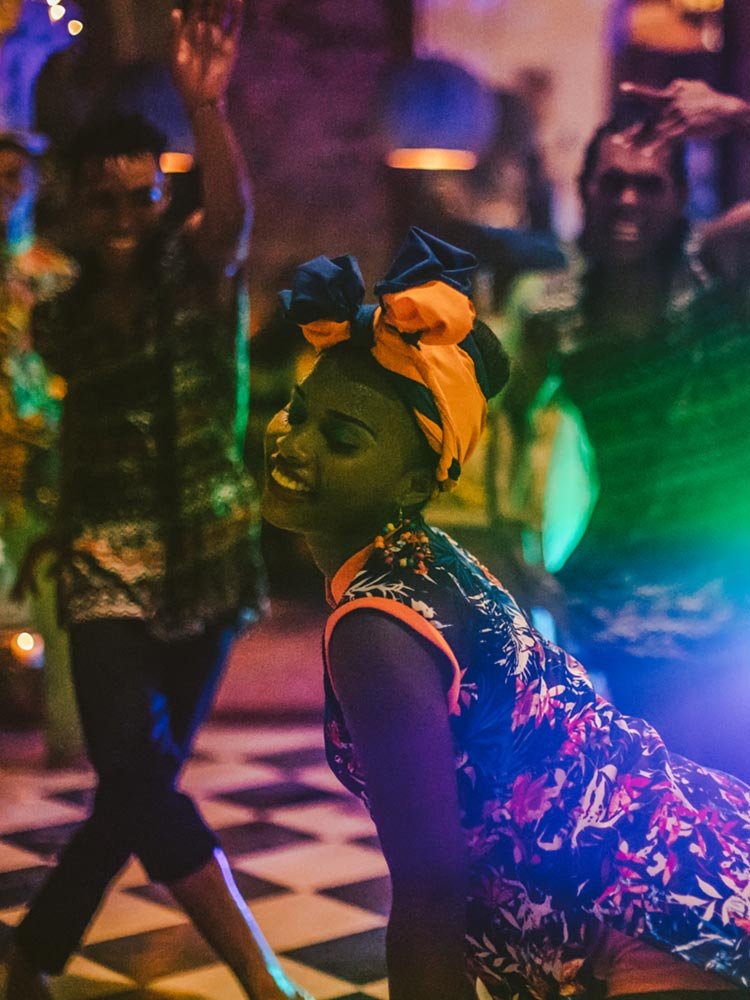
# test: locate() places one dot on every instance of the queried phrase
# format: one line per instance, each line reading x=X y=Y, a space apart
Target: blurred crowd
x=611 y=492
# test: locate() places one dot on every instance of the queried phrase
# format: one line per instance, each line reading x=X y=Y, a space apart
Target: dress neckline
x=337 y=586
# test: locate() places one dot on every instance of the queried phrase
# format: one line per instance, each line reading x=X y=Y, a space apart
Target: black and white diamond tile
x=358 y=958
x=303 y=852
x=292 y=760
x=282 y=793
x=257 y=836
x=45 y=841
x=373 y=894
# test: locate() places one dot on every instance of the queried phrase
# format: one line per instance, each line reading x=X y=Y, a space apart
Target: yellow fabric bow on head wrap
x=420 y=333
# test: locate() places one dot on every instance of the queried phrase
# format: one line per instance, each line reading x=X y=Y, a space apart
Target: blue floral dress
x=575 y=816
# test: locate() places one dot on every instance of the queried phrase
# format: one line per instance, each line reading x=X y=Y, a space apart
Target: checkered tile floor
x=303 y=851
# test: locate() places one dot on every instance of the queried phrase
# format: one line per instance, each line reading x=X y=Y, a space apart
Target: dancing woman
x=536 y=838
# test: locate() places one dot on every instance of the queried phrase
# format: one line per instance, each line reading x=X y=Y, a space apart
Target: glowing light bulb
x=431 y=159
x=699 y=6
x=75 y=27
x=56 y=387
x=57 y=12
x=25 y=641
x=27 y=649
x=175 y=163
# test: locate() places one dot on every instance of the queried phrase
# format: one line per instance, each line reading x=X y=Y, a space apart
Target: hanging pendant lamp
x=436 y=116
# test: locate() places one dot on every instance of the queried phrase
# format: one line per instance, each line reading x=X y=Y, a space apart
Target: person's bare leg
x=213 y=902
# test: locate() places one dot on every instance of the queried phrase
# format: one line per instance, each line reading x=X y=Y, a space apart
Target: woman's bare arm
x=392 y=689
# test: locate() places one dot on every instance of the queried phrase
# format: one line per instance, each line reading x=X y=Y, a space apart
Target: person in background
x=500 y=212
x=724 y=254
x=629 y=440
x=537 y=839
x=157 y=527
x=31 y=271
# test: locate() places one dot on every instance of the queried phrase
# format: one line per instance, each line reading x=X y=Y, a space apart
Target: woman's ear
x=418 y=489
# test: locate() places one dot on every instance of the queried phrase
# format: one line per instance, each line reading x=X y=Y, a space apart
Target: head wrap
x=420 y=333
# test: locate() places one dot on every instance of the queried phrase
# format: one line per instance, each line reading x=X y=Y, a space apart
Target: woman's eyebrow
x=352 y=420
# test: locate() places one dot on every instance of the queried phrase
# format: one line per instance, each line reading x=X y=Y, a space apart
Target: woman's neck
x=330 y=551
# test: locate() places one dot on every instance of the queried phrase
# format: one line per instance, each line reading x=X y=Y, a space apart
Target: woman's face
x=344 y=455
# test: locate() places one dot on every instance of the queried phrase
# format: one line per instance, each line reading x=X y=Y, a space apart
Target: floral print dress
x=575 y=816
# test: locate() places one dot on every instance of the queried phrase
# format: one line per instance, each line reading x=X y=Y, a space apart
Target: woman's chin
x=279 y=514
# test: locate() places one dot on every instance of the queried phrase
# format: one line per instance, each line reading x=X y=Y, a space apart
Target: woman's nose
x=278 y=424
x=284 y=440
x=293 y=446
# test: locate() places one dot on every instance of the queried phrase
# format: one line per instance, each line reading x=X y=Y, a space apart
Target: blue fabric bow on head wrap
x=420 y=332
x=424 y=258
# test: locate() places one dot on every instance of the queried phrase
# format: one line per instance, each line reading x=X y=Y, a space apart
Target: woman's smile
x=339 y=457
x=287 y=481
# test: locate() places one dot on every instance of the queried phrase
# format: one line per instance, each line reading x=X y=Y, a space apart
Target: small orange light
x=27 y=649
x=431 y=159
x=660 y=26
x=699 y=6
x=75 y=27
x=25 y=641
x=176 y=163
x=56 y=387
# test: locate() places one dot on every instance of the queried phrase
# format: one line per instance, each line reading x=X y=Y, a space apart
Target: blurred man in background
x=157 y=527
x=630 y=447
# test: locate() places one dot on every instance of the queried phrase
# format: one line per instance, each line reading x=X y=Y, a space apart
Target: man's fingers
x=187 y=25
x=651 y=95
x=214 y=12
x=669 y=128
x=204 y=16
x=641 y=134
x=193 y=11
x=177 y=21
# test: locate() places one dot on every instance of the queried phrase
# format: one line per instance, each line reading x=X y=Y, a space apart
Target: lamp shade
x=436 y=115
x=10 y=12
x=661 y=25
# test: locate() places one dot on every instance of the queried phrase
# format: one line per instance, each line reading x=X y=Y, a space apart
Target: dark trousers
x=141 y=701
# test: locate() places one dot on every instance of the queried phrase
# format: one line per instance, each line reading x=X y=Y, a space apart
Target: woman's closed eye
x=341 y=438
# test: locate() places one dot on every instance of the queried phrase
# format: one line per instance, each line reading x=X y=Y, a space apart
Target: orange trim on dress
x=338 y=585
x=412 y=619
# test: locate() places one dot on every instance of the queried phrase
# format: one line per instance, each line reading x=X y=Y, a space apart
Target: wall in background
x=305 y=103
x=562 y=42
